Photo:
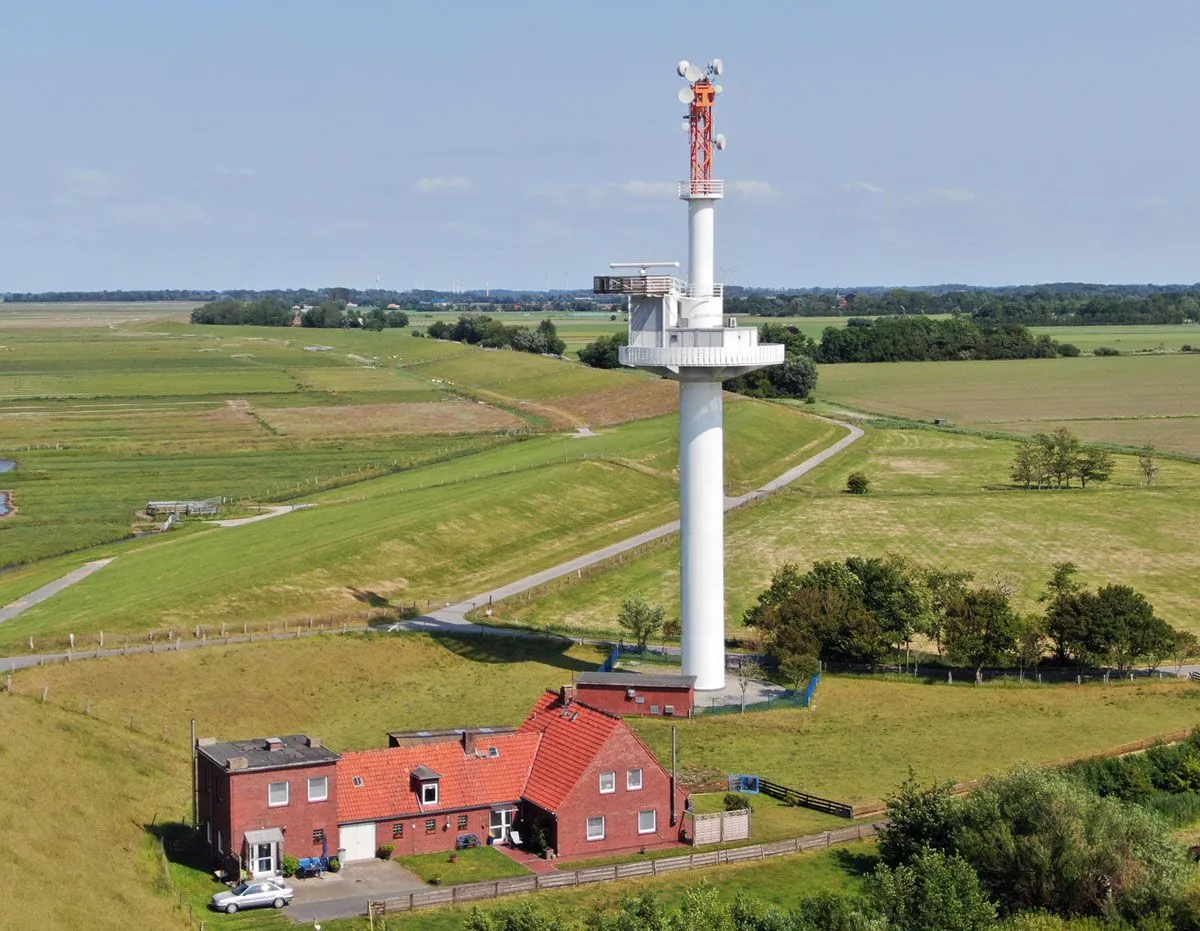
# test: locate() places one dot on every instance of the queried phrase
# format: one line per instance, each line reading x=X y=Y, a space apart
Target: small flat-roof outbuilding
x=634 y=693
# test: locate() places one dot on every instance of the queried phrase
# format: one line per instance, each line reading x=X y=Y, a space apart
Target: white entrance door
x=358 y=840
x=262 y=859
x=501 y=822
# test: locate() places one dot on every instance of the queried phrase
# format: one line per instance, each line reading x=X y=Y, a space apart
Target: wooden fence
x=719 y=827
x=494 y=888
x=804 y=800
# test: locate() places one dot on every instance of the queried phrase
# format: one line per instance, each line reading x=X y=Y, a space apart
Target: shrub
x=291 y=865
x=1068 y=350
x=735 y=802
x=857 y=483
x=934 y=892
x=1105 y=351
x=385 y=851
x=334 y=864
x=1186 y=347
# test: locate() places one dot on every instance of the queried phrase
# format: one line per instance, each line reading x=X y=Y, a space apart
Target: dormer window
x=426 y=784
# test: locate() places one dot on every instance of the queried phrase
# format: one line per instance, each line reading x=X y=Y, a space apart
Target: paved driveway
x=345 y=894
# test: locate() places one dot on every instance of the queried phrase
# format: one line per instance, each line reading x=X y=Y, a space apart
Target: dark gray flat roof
x=294 y=752
x=636 y=680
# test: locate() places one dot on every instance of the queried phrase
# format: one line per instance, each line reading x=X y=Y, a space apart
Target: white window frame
x=220 y=847
x=629 y=783
x=653 y=813
x=612 y=780
x=324 y=793
x=590 y=835
x=425 y=786
x=287 y=794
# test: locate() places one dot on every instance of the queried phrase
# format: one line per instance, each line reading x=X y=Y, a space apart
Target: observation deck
x=652 y=286
x=701 y=189
x=731 y=348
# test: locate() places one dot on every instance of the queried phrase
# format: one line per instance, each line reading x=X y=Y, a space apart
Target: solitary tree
x=642 y=619
x=1148 y=464
x=748 y=671
x=796 y=667
x=857 y=483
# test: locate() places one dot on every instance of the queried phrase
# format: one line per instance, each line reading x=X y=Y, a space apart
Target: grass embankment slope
x=1123 y=400
x=937 y=498
x=92 y=782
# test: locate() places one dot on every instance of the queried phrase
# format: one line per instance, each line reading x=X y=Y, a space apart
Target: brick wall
x=613 y=699
x=622 y=752
x=250 y=811
x=416 y=839
x=213 y=812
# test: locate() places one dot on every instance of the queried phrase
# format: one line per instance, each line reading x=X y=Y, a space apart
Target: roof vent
x=314 y=741
x=274 y=743
x=358 y=782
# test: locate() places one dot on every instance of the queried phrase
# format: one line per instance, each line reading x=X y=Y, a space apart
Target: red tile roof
x=568 y=745
x=467 y=780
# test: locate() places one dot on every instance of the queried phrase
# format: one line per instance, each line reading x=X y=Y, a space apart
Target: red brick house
x=420 y=797
x=574 y=772
x=632 y=693
x=594 y=786
x=256 y=798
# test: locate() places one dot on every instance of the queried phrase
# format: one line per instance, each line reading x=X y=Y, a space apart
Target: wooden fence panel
x=779 y=847
x=671 y=864
x=596 y=874
x=519 y=884
x=628 y=870
x=704 y=859
x=470 y=892
x=401 y=904
x=555 y=880
x=433 y=897
x=737 y=854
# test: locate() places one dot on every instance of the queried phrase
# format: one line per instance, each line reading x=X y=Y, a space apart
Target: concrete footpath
x=49 y=590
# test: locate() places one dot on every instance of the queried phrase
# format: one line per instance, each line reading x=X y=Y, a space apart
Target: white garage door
x=358 y=840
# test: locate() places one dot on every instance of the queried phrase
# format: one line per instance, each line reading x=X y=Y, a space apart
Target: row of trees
x=478 y=330
x=1053 y=459
x=1061 y=305
x=864 y=609
x=273 y=311
x=924 y=339
x=1029 y=851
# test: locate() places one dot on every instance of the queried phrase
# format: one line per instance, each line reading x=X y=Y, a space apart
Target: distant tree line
x=925 y=339
x=481 y=330
x=1057 y=305
x=865 y=609
x=273 y=311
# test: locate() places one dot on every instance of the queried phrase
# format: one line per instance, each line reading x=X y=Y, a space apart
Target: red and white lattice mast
x=678 y=329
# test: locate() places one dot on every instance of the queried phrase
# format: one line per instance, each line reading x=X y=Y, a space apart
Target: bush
x=1186 y=347
x=1105 y=351
x=385 y=851
x=334 y=864
x=291 y=865
x=1068 y=350
x=857 y=483
x=932 y=893
x=733 y=801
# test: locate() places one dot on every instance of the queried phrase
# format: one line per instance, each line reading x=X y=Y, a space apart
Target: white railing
x=701 y=188
x=701 y=356
x=653 y=286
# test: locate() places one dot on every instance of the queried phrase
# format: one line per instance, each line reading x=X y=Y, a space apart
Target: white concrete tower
x=678 y=329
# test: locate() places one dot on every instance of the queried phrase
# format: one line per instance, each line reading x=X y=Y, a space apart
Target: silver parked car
x=257 y=893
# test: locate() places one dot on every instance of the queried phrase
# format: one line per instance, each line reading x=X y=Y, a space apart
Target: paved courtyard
x=344 y=894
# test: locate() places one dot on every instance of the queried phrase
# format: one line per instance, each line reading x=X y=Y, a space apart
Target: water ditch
x=6 y=505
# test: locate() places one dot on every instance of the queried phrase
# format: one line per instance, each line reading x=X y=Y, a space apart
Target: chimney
x=314 y=741
x=274 y=743
x=468 y=741
x=205 y=741
x=567 y=694
x=236 y=762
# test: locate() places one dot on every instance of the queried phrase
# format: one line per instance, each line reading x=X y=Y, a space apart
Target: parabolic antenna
x=693 y=73
x=686 y=95
x=718 y=89
x=720 y=141
x=717 y=66
x=682 y=67
x=686 y=124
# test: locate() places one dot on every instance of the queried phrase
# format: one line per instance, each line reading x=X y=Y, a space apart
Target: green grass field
x=1126 y=400
x=938 y=498
x=98 y=780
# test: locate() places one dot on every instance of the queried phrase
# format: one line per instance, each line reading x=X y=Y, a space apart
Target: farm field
x=857 y=745
x=1163 y=338
x=940 y=498
x=1126 y=400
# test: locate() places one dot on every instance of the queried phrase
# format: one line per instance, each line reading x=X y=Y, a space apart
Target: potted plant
x=385 y=851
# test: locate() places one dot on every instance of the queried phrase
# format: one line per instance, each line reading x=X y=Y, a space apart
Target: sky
x=528 y=143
